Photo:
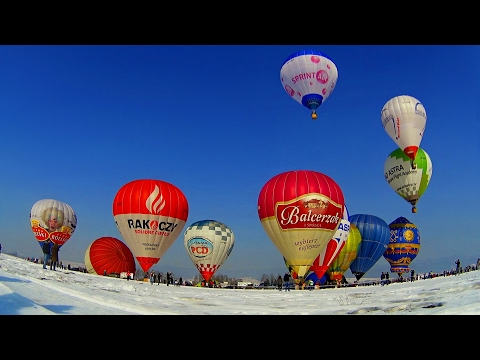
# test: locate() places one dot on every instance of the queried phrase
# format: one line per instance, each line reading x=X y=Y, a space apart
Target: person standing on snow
x=47 y=252
x=286 y=281
x=457 y=272
x=279 y=282
x=54 y=260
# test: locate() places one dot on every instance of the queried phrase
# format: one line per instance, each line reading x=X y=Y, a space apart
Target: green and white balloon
x=409 y=183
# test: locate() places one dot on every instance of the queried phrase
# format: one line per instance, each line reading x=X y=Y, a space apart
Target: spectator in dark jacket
x=54 y=260
x=286 y=281
x=279 y=282
x=47 y=252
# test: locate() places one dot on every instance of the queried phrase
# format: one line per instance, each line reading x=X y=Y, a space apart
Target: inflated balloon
x=300 y=211
x=150 y=215
x=293 y=273
x=409 y=183
x=316 y=280
x=335 y=245
x=342 y=261
x=404 y=245
x=404 y=119
x=54 y=220
x=309 y=77
x=208 y=243
x=108 y=255
x=375 y=234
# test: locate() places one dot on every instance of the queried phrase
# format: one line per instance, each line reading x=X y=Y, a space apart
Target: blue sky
x=81 y=121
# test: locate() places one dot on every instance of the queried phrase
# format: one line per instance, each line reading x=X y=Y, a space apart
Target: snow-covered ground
x=27 y=289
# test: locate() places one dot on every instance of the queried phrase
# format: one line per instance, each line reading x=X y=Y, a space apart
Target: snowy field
x=27 y=289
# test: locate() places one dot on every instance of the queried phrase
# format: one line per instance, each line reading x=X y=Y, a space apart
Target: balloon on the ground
x=342 y=261
x=335 y=245
x=54 y=220
x=108 y=255
x=375 y=234
x=208 y=244
x=293 y=273
x=300 y=211
x=312 y=276
x=150 y=215
x=404 y=119
x=309 y=77
x=409 y=183
x=404 y=245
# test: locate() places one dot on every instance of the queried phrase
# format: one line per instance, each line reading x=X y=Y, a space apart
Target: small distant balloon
x=309 y=77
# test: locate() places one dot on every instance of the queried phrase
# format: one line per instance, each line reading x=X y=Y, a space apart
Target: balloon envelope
x=293 y=273
x=312 y=276
x=109 y=254
x=404 y=119
x=409 y=183
x=342 y=261
x=300 y=211
x=54 y=220
x=150 y=215
x=309 y=78
x=208 y=244
x=335 y=245
x=375 y=234
x=404 y=245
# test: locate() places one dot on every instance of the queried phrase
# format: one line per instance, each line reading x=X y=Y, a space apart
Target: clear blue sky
x=79 y=122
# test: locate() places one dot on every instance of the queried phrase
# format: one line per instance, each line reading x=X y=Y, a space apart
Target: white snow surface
x=27 y=289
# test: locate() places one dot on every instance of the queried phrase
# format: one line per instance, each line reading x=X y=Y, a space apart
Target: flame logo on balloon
x=154 y=202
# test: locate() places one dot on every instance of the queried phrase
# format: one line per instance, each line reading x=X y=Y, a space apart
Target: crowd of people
x=412 y=276
x=157 y=278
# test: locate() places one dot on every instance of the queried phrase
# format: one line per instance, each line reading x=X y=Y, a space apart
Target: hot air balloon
x=293 y=273
x=404 y=119
x=334 y=246
x=300 y=211
x=208 y=243
x=404 y=245
x=150 y=215
x=342 y=261
x=375 y=235
x=54 y=220
x=108 y=255
x=312 y=276
x=309 y=77
x=409 y=183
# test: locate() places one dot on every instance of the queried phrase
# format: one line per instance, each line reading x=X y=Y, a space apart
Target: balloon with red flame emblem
x=208 y=243
x=54 y=220
x=110 y=255
x=335 y=245
x=150 y=215
x=300 y=211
